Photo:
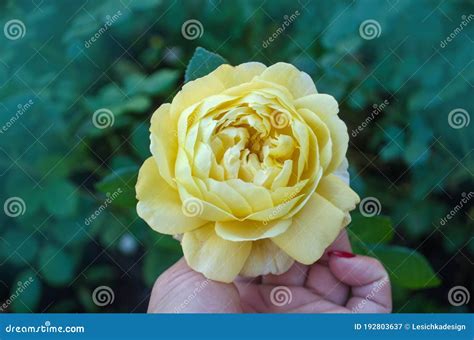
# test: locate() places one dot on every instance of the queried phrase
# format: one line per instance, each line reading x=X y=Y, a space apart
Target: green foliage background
x=63 y=167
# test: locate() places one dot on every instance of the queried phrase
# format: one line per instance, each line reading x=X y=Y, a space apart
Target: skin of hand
x=340 y=282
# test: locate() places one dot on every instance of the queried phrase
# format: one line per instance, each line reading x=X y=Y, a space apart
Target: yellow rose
x=245 y=163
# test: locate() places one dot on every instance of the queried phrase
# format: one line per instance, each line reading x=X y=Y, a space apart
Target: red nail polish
x=341 y=253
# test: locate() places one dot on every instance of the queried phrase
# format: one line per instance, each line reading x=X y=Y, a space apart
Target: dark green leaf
x=407 y=267
x=202 y=63
x=56 y=265
x=120 y=185
x=26 y=292
x=376 y=229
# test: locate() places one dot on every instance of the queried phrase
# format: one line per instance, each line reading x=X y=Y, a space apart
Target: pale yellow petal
x=322 y=134
x=314 y=228
x=297 y=82
x=216 y=258
x=266 y=258
x=243 y=73
x=337 y=192
x=159 y=203
x=208 y=211
x=326 y=108
x=258 y=197
x=164 y=142
x=251 y=230
x=193 y=92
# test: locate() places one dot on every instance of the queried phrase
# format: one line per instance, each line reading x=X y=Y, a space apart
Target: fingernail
x=341 y=253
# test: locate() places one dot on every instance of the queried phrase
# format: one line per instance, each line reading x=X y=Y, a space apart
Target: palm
x=303 y=289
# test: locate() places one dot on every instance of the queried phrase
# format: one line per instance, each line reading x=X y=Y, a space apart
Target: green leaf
x=17 y=246
x=376 y=229
x=61 y=198
x=26 y=292
x=407 y=267
x=56 y=265
x=161 y=82
x=202 y=63
x=160 y=258
x=122 y=182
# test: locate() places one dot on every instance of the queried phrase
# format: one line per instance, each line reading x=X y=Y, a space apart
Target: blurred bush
x=74 y=233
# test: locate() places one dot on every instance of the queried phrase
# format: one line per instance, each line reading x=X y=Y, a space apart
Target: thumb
x=368 y=279
x=182 y=290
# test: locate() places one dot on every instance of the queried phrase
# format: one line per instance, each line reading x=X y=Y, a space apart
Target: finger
x=340 y=243
x=295 y=276
x=182 y=290
x=322 y=281
x=371 y=291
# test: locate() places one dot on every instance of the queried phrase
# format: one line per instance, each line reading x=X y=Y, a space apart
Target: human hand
x=340 y=282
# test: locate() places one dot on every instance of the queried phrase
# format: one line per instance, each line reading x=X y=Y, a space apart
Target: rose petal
x=251 y=230
x=298 y=83
x=266 y=258
x=216 y=258
x=314 y=228
x=164 y=142
x=159 y=204
x=337 y=192
x=326 y=108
